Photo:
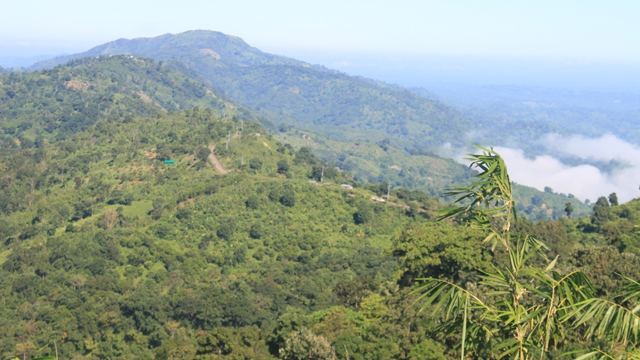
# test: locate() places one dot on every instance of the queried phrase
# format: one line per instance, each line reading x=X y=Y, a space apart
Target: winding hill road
x=215 y=162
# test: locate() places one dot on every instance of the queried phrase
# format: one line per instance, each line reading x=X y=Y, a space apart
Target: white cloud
x=584 y=181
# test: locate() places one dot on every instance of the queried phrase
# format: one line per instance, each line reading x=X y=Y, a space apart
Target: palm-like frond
x=455 y=304
x=488 y=201
x=606 y=319
x=531 y=308
x=599 y=354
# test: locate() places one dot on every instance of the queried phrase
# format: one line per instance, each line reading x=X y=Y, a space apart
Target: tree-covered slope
x=109 y=252
x=306 y=96
x=54 y=104
x=382 y=162
x=59 y=102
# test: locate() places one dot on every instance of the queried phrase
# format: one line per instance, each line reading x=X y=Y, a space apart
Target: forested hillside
x=110 y=252
x=309 y=97
x=381 y=162
x=56 y=103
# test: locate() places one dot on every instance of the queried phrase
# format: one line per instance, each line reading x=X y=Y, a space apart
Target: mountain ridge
x=286 y=90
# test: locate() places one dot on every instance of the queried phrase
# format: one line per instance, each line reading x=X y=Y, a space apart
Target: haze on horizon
x=568 y=31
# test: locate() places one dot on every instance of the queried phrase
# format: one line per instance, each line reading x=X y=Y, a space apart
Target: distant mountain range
x=285 y=90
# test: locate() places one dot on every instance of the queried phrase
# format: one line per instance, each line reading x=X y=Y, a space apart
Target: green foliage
x=304 y=345
x=427 y=350
x=147 y=256
x=613 y=199
x=364 y=214
x=255 y=164
x=57 y=103
x=283 y=166
x=440 y=250
x=226 y=343
x=525 y=309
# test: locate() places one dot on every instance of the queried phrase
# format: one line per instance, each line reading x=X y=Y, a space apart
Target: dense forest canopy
x=109 y=252
x=56 y=103
x=59 y=102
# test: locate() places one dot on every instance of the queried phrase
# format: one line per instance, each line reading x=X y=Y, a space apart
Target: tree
x=255 y=164
x=225 y=231
x=427 y=350
x=25 y=349
x=529 y=308
x=203 y=154
x=109 y=219
x=288 y=198
x=256 y=231
x=253 y=202
x=304 y=155
x=283 y=166
x=304 y=345
x=352 y=292
x=568 y=208
x=613 y=199
x=600 y=213
x=364 y=213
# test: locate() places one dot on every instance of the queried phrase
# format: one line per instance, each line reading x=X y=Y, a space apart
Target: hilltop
x=285 y=90
x=59 y=102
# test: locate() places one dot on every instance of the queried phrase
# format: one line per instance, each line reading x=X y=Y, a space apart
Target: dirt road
x=215 y=162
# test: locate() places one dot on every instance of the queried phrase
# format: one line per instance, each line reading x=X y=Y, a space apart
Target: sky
x=568 y=30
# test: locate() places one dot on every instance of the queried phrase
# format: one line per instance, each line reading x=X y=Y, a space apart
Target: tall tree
x=613 y=199
x=568 y=208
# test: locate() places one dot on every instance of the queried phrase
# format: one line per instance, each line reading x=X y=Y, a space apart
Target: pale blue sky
x=573 y=30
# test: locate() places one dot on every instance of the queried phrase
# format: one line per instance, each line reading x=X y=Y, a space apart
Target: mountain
x=59 y=102
x=288 y=91
x=191 y=47
x=159 y=232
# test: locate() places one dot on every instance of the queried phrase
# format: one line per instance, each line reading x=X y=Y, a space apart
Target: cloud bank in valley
x=584 y=181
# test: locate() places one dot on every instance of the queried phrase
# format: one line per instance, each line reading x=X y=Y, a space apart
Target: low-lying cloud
x=584 y=181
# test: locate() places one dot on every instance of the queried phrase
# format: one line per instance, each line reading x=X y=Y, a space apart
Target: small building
x=346 y=186
x=377 y=199
x=312 y=182
x=169 y=162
